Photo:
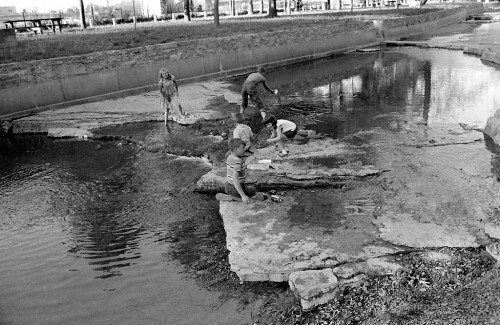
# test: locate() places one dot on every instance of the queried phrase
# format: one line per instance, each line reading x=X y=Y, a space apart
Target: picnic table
x=38 y=24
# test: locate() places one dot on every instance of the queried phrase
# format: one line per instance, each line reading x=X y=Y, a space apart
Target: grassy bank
x=107 y=38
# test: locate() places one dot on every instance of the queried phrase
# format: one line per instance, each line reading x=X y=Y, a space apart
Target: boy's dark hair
x=235 y=143
x=271 y=119
x=261 y=70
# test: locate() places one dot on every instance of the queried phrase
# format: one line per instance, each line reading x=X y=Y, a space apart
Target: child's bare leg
x=281 y=145
x=167 y=111
x=282 y=148
x=163 y=106
x=263 y=114
x=177 y=104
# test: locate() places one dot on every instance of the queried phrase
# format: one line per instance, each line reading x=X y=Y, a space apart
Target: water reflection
x=103 y=237
x=388 y=89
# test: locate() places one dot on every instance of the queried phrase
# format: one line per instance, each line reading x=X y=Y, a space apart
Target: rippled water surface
x=82 y=223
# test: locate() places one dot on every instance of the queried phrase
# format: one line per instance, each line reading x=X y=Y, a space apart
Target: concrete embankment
x=54 y=83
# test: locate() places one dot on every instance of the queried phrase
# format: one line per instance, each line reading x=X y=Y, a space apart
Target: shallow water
x=387 y=89
x=83 y=223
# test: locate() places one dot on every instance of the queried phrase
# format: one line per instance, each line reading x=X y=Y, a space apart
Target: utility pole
x=216 y=13
x=82 y=14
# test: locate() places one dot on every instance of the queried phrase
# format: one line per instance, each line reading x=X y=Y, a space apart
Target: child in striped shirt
x=236 y=172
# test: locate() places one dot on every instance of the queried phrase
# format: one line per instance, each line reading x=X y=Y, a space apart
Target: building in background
x=151 y=7
x=7 y=11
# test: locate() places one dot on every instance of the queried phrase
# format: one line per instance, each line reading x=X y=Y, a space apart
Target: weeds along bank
x=50 y=83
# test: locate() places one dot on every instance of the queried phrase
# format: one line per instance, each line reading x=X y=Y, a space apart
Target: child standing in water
x=249 y=89
x=169 y=93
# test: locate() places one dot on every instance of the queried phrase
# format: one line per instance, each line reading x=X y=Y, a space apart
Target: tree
x=216 y=13
x=82 y=14
x=272 y=9
x=187 y=13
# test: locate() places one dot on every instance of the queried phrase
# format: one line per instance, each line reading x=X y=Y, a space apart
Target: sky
x=45 y=6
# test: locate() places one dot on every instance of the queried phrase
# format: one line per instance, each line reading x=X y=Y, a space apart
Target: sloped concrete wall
x=404 y=27
x=25 y=92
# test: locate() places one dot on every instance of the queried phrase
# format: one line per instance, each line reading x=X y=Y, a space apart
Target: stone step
x=316 y=287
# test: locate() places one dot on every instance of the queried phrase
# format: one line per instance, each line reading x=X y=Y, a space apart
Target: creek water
x=83 y=223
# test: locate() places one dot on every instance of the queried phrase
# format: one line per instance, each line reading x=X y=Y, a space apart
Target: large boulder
x=492 y=128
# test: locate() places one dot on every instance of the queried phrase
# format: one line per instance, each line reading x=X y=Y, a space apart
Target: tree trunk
x=272 y=9
x=261 y=6
x=250 y=2
x=233 y=7
x=82 y=14
x=187 y=14
x=216 y=13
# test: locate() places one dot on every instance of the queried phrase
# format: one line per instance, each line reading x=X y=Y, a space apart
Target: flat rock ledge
x=402 y=229
x=307 y=165
x=268 y=242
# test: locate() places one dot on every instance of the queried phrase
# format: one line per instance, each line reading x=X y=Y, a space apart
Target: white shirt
x=286 y=125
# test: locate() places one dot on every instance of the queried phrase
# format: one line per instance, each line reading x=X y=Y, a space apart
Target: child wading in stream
x=249 y=89
x=169 y=93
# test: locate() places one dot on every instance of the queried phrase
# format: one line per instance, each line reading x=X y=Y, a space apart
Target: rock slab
x=313 y=287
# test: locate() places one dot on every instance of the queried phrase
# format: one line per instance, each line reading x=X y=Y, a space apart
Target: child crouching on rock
x=282 y=130
x=236 y=173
